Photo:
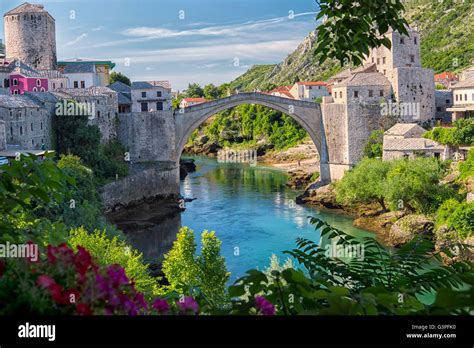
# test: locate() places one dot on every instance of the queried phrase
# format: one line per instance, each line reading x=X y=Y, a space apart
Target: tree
x=374 y=146
x=119 y=77
x=366 y=183
x=188 y=272
x=211 y=92
x=351 y=28
x=194 y=91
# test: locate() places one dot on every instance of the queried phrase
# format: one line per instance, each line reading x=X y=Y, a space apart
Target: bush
x=108 y=251
x=188 y=272
x=462 y=220
x=466 y=168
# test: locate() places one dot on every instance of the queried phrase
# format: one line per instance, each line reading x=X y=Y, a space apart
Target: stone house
x=282 y=91
x=86 y=73
x=309 y=91
x=27 y=122
x=463 y=106
x=443 y=101
x=187 y=102
x=102 y=104
x=149 y=96
x=404 y=140
x=124 y=93
x=446 y=79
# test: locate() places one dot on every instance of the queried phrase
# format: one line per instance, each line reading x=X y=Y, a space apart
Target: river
x=251 y=211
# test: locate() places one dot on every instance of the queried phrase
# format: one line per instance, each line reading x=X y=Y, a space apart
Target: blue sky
x=204 y=41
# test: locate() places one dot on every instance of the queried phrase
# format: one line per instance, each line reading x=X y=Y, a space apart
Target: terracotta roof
x=317 y=83
x=403 y=128
x=195 y=100
x=447 y=75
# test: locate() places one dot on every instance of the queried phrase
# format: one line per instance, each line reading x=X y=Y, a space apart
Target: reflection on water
x=250 y=208
x=252 y=212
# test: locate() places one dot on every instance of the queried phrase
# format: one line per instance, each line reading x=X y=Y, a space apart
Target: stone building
x=404 y=140
x=411 y=84
x=102 y=106
x=85 y=73
x=30 y=36
x=27 y=122
x=463 y=106
x=187 y=102
x=444 y=101
x=124 y=94
x=151 y=96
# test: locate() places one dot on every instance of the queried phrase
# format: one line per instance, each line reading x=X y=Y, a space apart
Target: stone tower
x=30 y=36
x=411 y=83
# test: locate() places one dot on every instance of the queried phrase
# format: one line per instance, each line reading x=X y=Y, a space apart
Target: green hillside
x=447 y=31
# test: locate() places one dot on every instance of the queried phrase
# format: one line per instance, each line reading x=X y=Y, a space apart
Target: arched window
x=15 y=82
x=38 y=82
x=35 y=89
x=42 y=89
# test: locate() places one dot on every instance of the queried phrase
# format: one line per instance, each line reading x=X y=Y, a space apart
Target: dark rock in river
x=323 y=196
x=186 y=166
x=298 y=180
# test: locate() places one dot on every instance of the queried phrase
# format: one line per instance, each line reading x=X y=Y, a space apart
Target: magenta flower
x=264 y=306
x=188 y=304
x=117 y=275
x=161 y=306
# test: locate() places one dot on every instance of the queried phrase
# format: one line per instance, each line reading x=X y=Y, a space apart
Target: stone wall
x=160 y=180
x=148 y=136
x=31 y=38
x=3 y=136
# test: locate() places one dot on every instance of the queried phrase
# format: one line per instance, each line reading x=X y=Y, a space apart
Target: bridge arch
x=307 y=114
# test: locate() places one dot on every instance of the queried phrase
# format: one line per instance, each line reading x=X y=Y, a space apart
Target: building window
x=456 y=97
x=159 y=106
x=448 y=101
x=41 y=125
x=76 y=84
x=62 y=85
x=385 y=72
x=383 y=60
x=378 y=61
x=15 y=82
x=415 y=40
x=83 y=84
x=32 y=142
x=381 y=93
x=465 y=97
x=15 y=92
x=143 y=94
x=412 y=58
x=373 y=60
x=11 y=130
x=54 y=85
x=438 y=108
x=356 y=94
x=42 y=89
x=98 y=114
x=144 y=107
x=158 y=94
x=35 y=89
x=31 y=126
x=371 y=93
x=402 y=40
x=38 y=82
x=21 y=130
x=340 y=94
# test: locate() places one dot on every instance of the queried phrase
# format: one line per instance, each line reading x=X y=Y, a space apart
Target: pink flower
x=117 y=275
x=161 y=306
x=45 y=281
x=188 y=304
x=82 y=260
x=83 y=309
x=56 y=293
x=264 y=306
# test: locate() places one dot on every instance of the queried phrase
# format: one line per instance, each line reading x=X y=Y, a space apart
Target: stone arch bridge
x=307 y=114
x=155 y=140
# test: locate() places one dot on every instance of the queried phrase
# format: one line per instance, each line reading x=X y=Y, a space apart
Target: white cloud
x=76 y=40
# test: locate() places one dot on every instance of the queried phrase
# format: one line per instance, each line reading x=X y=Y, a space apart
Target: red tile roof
x=447 y=75
x=195 y=100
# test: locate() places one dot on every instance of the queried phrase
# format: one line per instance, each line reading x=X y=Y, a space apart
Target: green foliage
x=194 y=90
x=349 y=32
x=211 y=92
x=445 y=211
x=118 y=76
x=374 y=146
x=377 y=280
x=26 y=185
x=186 y=271
x=109 y=251
x=458 y=217
x=461 y=134
x=415 y=183
x=466 y=168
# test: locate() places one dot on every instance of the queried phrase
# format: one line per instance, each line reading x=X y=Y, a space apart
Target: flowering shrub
x=68 y=282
